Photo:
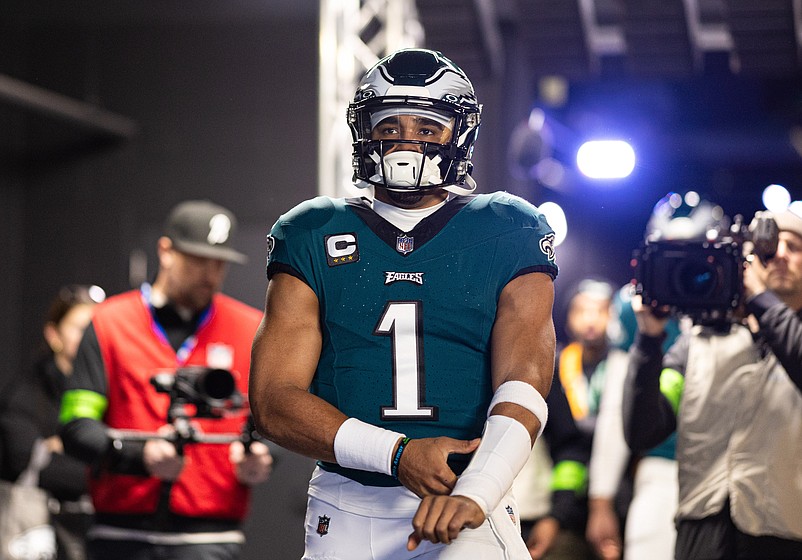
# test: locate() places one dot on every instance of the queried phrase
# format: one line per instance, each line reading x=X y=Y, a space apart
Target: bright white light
x=796 y=207
x=556 y=218
x=605 y=159
x=776 y=198
x=692 y=199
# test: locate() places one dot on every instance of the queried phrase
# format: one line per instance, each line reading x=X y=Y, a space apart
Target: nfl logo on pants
x=322 y=525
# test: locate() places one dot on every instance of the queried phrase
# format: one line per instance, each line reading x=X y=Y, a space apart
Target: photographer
x=733 y=393
x=168 y=492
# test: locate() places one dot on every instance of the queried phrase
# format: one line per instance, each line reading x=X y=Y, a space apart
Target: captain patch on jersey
x=341 y=248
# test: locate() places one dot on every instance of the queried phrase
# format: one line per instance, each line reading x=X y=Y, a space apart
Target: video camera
x=702 y=279
x=211 y=391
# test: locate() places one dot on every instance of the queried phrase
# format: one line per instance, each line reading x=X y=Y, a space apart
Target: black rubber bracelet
x=397 y=457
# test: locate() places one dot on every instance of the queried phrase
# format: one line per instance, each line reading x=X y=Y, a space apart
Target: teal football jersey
x=407 y=316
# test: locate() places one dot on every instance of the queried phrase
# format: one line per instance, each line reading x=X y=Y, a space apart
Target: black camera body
x=210 y=390
x=702 y=279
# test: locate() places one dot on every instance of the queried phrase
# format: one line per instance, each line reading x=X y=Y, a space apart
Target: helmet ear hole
x=419 y=82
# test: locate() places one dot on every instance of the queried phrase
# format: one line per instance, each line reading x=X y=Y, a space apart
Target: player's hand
x=423 y=468
x=162 y=460
x=542 y=537
x=439 y=519
x=254 y=466
x=648 y=323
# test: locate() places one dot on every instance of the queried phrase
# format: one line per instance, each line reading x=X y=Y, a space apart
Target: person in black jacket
x=30 y=419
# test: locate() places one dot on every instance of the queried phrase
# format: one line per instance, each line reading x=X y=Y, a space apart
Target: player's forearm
x=517 y=415
x=298 y=420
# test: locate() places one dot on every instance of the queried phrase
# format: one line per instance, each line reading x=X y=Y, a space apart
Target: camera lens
x=695 y=278
x=217 y=384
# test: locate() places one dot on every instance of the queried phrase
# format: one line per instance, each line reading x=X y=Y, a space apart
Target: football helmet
x=687 y=217
x=430 y=87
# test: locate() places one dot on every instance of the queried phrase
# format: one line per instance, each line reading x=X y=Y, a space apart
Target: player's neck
x=404 y=219
x=415 y=202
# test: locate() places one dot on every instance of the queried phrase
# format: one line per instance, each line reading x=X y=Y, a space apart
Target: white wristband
x=522 y=394
x=501 y=455
x=358 y=445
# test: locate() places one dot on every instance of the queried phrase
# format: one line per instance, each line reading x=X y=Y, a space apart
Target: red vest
x=133 y=351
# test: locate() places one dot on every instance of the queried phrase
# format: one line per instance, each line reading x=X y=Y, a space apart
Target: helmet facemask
x=408 y=150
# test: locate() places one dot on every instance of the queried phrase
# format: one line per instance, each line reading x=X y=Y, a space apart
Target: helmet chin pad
x=406 y=170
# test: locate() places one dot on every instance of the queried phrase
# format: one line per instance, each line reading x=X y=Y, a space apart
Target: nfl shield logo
x=511 y=513
x=404 y=244
x=322 y=525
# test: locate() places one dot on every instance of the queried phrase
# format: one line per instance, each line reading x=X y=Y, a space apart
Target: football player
x=408 y=342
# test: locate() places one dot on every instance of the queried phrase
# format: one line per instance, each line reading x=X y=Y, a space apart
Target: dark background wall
x=226 y=108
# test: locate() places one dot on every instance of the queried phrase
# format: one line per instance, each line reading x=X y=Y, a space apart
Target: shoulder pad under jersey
x=513 y=209
x=312 y=213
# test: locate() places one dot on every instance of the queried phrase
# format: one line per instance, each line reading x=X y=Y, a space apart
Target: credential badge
x=404 y=244
x=219 y=356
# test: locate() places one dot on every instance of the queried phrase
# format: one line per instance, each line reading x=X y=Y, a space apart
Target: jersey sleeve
x=529 y=241
x=290 y=243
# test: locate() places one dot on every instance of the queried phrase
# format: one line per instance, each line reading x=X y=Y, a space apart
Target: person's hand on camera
x=754 y=277
x=649 y=323
x=253 y=466
x=161 y=459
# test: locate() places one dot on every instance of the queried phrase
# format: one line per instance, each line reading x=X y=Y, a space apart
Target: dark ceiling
x=710 y=89
x=642 y=38
x=711 y=83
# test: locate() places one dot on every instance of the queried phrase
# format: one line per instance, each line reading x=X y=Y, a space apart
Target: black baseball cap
x=203 y=229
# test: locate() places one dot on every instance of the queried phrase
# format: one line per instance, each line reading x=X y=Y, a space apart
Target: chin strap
x=467 y=187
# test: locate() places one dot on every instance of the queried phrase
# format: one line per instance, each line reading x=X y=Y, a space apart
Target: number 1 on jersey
x=402 y=320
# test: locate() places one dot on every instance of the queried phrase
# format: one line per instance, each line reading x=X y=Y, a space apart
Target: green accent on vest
x=80 y=403
x=672 y=384
x=569 y=475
